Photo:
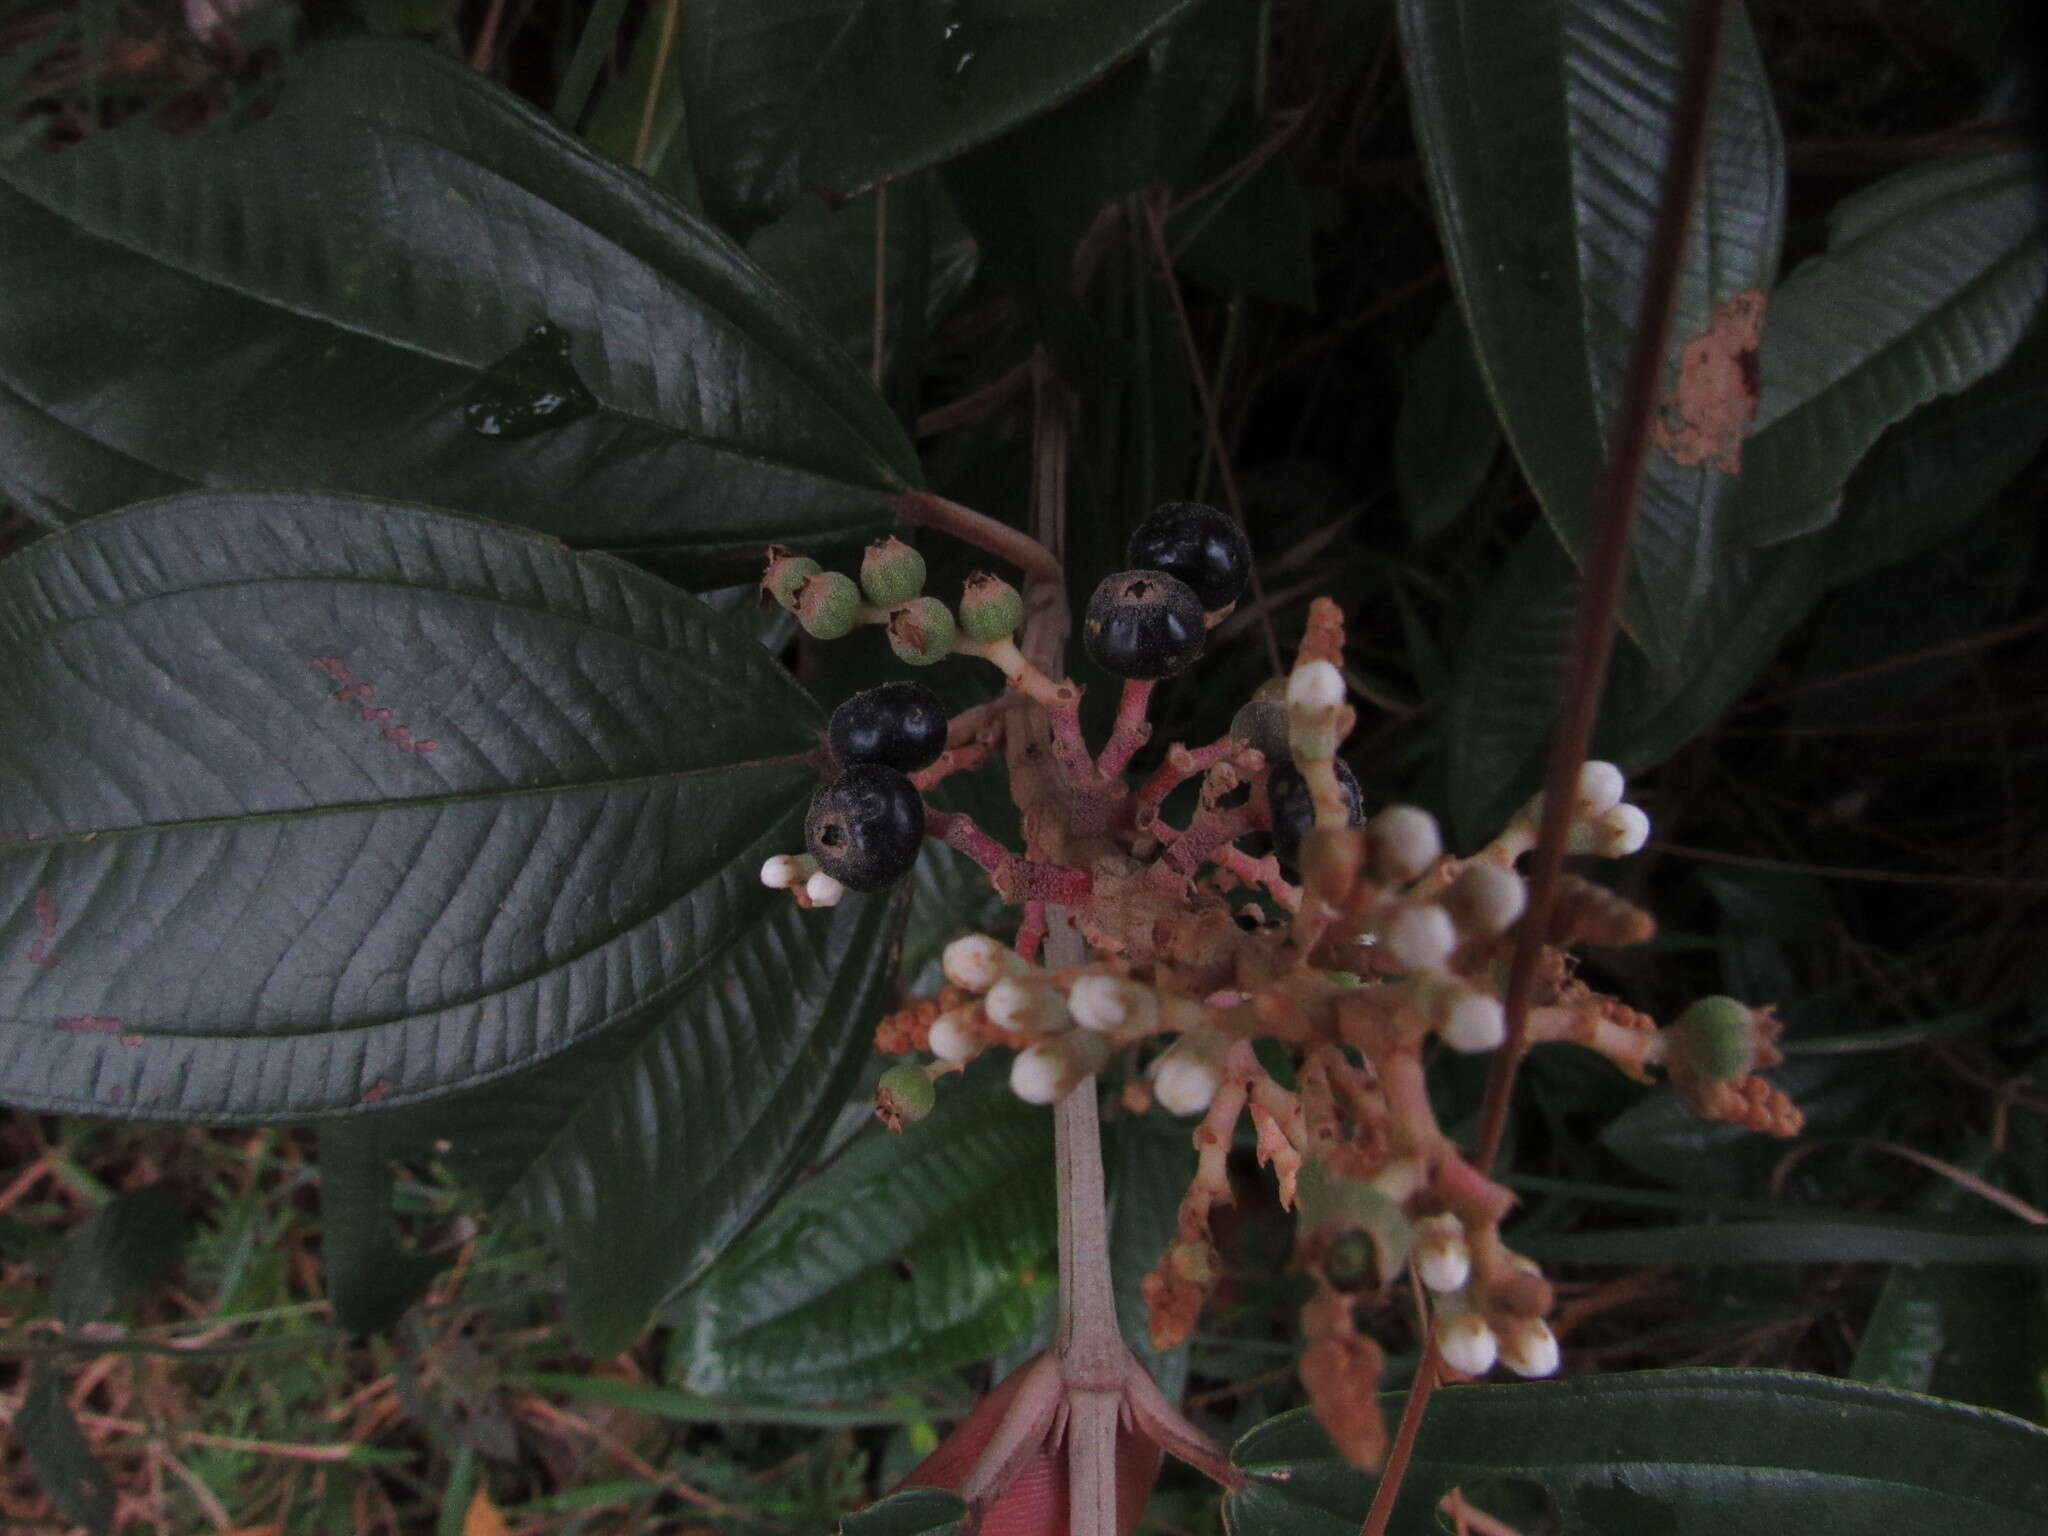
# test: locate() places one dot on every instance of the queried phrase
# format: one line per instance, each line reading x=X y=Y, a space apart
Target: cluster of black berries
x=865 y=827
x=1187 y=560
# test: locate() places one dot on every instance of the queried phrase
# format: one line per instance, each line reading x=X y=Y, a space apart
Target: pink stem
x=1181 y=765
x=1069 y=746
x=1031 y=933
x=1210 y=830
x=1132 y=730
x=1015 y=877
x=1263 y=874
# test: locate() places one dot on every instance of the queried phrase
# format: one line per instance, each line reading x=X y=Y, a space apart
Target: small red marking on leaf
x=335 y=668
x=40 y=953
x=376 y=1090
x=377 y=712
x=1705 y=421
x=90 y=1023
x=426 y=745
x=46 y=914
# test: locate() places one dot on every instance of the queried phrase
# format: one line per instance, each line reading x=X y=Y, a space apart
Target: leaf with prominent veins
x=310 y=804
x=346 y=295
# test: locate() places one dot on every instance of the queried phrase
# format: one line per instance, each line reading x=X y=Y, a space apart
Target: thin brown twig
x=1211 y=427
x=1616 y=497
x=645 y=137
x=1420 y=1390
x=487 y=38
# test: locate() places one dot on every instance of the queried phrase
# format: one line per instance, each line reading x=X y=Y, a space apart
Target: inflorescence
x=1358 y=944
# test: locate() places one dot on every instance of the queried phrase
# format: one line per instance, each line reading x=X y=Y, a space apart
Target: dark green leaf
x=1942 y=466
x=649 y=1147
x=1960 y=1334
x=1151 y=1161
x=689 y=1408
x=1446 y=434
x=349 y=283
x=910 y=1255
x=1836 y=1239
x=826 y=258
x=908 y=1512
x=311 y=803
x=1677 y=1453
x=1930 y=280
x=64 y=1464
x=1542 y=127
x=126 y=1246
x=1250 y=234
x=837 y=96
x=371 y=1278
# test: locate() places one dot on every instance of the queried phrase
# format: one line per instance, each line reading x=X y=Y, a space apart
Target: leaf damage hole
x=1719 y=385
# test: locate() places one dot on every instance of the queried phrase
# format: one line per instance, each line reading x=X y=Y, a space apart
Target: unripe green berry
x=904 y=1093
x=1715 y=1038
x=990 y=608
x=1262 y=723
x=921 y=631
x=891 y=572
x=786 y=575
x=1338 y=1207
x=828 y=605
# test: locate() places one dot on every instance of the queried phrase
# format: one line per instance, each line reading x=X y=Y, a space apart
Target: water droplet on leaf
x=533 y=388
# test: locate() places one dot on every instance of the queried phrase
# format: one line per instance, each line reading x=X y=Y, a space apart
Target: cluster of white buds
x=1603 y=823
x=799 y=872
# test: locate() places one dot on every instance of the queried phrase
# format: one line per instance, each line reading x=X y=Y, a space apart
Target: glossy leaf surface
x=1678 y=1453
x=311 y=804
x=1930 y=280
x=1543 y=128
x=835 y=95
x=909 y=1255
x=404 y=282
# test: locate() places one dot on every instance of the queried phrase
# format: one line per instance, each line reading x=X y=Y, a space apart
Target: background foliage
x=425 y=844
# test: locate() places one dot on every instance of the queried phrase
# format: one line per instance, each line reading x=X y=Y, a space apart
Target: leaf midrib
x=605 y=408
x=499 y=795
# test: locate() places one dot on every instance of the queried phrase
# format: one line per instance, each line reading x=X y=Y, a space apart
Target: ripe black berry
x=1294 y=808
x=1200 y=545
x=899 y=725
x=865 y=827
x=1143 y=624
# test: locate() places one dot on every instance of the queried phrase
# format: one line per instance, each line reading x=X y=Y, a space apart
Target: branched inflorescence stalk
x=1357 y=944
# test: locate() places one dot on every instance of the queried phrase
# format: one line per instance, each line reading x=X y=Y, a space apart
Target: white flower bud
x=1599 y=790
x=1035 y=1074
x=1404 y=842
x=977 y=962
x=1528 y=1347
x=823 y=890
x=1026 y=1002
x=1467 y=1343
x=1614 y=834
x=1184 y=1084
x=785 y=870
x=951 y=1039
x=1442 y=1259
x=1473 y=1023
x=1419 y=937
x=1316 y=685
x=1113 y=1003
x=1488 y=897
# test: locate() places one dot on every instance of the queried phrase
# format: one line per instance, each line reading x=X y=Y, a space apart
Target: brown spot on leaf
x=90 y=1023
x=1705 y=421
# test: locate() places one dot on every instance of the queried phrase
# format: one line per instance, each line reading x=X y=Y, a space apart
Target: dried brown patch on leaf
x=1715 y=404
